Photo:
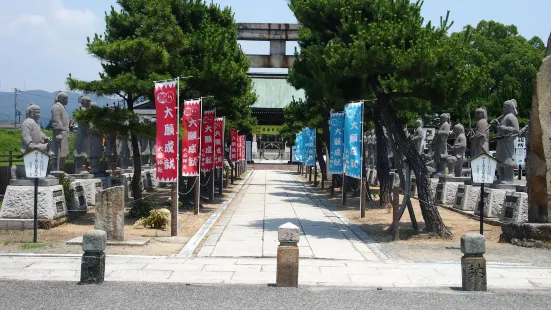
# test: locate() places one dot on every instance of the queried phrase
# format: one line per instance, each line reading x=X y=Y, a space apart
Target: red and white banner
x=219 y=143
x=167 y=132
x=242 y=147
x=191 y=125
x=233 y=146
x=207 y=141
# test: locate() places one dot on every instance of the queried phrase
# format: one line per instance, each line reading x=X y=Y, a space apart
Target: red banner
x=242 y=147
x=191 y=125
x=207 y=142
x=233 y=146
x=167 y=132
x=219 y=143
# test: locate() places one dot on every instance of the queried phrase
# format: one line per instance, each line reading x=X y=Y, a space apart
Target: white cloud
x=42 y=41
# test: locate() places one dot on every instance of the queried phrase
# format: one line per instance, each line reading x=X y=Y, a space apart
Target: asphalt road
x=117 y=295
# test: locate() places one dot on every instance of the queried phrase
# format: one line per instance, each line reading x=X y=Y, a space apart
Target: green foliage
x=510 y=64
x=31 y=246
x=157 y=219
x=65 y=181
x=10 y=140
x=141 y=208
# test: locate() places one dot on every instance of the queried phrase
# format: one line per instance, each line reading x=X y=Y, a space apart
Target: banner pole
x=362 y=189
x=176 y=195
x=198 y=183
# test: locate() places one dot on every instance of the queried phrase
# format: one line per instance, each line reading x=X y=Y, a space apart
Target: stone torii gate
x=277 y=34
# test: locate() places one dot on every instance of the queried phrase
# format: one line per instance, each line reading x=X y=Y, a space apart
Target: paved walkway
x=248 y=228
x=241 y=249
x=262 y=271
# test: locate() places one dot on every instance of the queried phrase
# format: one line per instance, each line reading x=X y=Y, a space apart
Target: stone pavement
x=262 y=271
x=248 y=228
x=241 y=249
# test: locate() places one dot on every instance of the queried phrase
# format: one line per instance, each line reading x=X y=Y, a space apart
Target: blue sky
x=44 y=40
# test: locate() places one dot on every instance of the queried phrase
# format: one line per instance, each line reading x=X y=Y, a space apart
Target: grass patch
x=30 y=246
x=6 y=243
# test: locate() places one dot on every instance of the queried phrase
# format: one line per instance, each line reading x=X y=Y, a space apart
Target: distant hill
x=44 y=100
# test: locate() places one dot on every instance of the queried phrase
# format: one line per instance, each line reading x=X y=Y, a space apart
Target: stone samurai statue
x=31 y=135
x=418 y=136
x=60 y=124
x=82 y=141
x=441 y=144
x=455 y=162
x=507 y=131
x=32 y=138
x=481 y=139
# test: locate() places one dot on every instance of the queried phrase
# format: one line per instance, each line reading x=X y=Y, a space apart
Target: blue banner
x=309 y=142
x=298 y=147
x=353 y=139
x=336 y=143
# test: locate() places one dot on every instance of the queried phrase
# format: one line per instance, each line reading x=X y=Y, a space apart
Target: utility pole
x=15 y=93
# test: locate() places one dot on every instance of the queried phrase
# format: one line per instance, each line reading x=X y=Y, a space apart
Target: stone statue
x=125 y=154
x=418 y=136
x=82 y=141
x=60 y=124
x=372 y=145
x=31 y=135
x=455 y=162
x=96 y=145
x=111 y=150
x=441 y=144
x=481 y=139
x=507 y=131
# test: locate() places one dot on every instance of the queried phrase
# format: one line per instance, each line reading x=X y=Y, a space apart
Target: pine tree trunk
x=136 y=158
x=383 y=169
x=433 y=221
x=321 y=161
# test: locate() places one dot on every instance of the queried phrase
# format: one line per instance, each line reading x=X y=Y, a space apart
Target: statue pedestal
x=515 y=209
x=433 y=186
x=494 y=201
x=446 y=189
x=467 y=197
x=79 y=198
x=18 y=201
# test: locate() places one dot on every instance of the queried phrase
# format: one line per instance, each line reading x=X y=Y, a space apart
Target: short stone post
x=473 y=263
x=92 y=270
x=287 y=256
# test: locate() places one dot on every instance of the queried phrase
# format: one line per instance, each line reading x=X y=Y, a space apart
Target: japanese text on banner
x=298 y=147
x=310 y=146
x=207 y=142
x=219 y=142
x=233 y=145
x=166 y=148
x=337 y=143
x=191 y=124
x=353 y=139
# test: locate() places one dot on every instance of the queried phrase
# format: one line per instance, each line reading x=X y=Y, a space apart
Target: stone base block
x=30 y=182
x=450 y=192
x=467 y=197
x=19 y=202
x=79 y=198
x=92 y=269
x=287 y=266
x=16 y=224
x=91 y=187
x=494 y=201
x=82 y=176
x=528 y=231
x=473 y=272
x=515 y=209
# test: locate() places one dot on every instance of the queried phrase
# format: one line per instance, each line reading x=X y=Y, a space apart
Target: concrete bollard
x=287 y=256
x=473 y=263
x=92 y=269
